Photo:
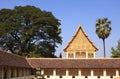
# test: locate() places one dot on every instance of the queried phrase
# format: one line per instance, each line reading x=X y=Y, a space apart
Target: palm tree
x=103 y=30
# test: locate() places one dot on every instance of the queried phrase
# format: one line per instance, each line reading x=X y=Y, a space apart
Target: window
x=70 y=55
x=90 y=55
x=83 y=54
x=77 y=55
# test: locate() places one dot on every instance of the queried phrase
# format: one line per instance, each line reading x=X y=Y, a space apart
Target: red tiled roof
x=74 y=63
x=8 y=59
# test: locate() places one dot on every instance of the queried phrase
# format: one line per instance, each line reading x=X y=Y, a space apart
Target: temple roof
x=75 y=63
x=7 y=59
x=80 y=35
x=12 y=60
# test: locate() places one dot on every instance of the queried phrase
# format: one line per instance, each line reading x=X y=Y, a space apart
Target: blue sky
x=75 y=12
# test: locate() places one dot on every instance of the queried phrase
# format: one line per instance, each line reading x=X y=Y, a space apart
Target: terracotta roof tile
x=74 y=63
x=8 y=59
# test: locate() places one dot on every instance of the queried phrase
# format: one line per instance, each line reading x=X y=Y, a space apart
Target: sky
x=78 y=12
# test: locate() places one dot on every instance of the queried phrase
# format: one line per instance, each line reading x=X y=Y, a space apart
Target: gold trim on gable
x=82 y=39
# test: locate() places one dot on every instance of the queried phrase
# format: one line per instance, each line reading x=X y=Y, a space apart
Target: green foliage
x=25 y=30
x=116 y=51
x=60 y=56
x=103 y=29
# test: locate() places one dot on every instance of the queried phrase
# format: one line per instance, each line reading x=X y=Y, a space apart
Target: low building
x=80 y=63
x=14 y=67
x=80 y=46
x=77 y=68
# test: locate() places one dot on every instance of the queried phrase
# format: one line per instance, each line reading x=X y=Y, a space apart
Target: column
x=92 y=73
x=117 y=72
x=42 y=72
x=104 y=72
x=54 y=72
x=67 y=72
x=94 y=55
x=79 y=72
x=66 y=55
x=86 y=54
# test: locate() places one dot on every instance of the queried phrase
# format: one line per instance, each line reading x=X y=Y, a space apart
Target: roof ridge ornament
x=79 y=25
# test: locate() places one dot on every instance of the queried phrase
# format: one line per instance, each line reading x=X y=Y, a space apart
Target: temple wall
x=111 y=72
x=48 y=71
x=82 y=73
x=61 y=72
x=85 y=72
x=98 y=72
x=15 y=73
x=73 y=72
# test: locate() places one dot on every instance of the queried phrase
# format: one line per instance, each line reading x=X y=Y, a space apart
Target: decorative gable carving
x=80 y=43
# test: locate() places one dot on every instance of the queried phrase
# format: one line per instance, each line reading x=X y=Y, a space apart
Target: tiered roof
x=79 y=39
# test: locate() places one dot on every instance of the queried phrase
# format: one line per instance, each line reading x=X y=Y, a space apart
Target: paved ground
x=117 y=78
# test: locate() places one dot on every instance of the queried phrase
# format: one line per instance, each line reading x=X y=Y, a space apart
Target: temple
x=80 y=46
x=80 y=63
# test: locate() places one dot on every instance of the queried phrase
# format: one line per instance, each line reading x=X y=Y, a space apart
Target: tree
x=103 y=30
x=116 y=52
x=25 y=30
x=60 y=56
